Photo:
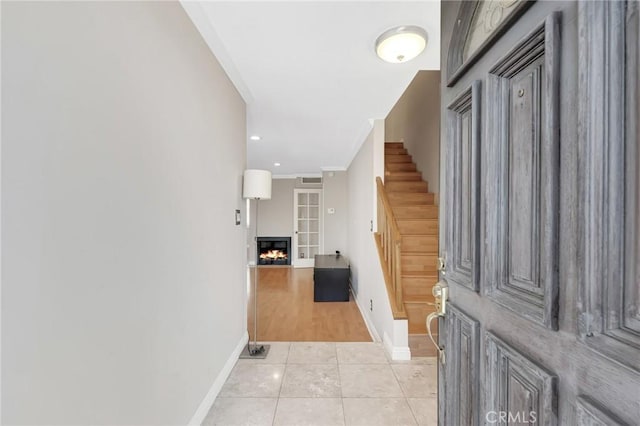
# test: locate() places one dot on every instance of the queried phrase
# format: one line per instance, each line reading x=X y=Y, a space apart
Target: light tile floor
x=326 y=384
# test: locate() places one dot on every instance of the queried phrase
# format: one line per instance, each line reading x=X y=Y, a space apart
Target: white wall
x=276 y=214
x=415 y=120
x=123 y=281
x=366 y=272
x=335 y=224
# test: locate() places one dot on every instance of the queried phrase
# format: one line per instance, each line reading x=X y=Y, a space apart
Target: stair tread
x=426 y=299
x=418 y=273
x=421 y=275
x=407 y=186
x=401 y=166
x=415 y=253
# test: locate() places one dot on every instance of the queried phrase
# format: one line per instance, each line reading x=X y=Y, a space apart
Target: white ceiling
x=309 y=74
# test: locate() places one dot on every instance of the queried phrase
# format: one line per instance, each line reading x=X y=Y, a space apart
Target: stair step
x=407 y=186
x=397 y=158
x=418 y=226
x=426 y=273
x=395 y=150
x=421 y=263
x=402 y=176
x=416 y=212
x=415 y=287
x=417 y=314
x=420 y=243
x=410 y=198
x=422 y=298
x=394 y=145
x=400 y=167
x=421 y=345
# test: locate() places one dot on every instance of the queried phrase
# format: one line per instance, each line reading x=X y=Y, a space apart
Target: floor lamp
x=256 y=186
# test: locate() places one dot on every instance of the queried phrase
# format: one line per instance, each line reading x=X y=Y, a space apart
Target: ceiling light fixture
x=255 y=138
x=401 y=44
x=276 y=164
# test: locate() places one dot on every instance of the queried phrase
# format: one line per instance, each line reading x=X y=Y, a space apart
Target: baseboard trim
x=401 y=353
x=209 y=399
x=397 y=353
x=367 y=320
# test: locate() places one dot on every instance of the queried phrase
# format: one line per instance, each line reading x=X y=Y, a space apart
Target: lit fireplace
x=273 y=250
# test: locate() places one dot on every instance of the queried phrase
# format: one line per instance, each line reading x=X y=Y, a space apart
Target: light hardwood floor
x=287 y=312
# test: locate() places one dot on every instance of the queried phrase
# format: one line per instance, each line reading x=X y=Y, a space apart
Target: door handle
x=440 y=292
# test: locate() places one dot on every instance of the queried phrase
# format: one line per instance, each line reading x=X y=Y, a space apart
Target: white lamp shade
x=257 y=184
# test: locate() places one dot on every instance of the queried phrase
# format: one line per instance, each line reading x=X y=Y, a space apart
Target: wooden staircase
x=416 y=216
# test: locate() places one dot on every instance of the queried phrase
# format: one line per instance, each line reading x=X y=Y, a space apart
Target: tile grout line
x=344 y=413
x=286 y=362
x=406 y=398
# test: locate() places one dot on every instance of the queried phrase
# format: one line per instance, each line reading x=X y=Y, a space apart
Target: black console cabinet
x=330 y=278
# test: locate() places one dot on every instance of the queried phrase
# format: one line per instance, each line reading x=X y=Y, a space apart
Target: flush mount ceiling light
x=255 y=138
x=401 y=44
x=276 y=164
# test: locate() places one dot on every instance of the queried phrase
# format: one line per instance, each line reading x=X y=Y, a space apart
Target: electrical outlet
x=371 y=305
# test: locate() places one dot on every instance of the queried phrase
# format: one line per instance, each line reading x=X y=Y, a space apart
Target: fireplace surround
x=273 y=250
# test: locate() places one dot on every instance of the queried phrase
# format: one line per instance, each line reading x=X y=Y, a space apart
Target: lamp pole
x=256 y=186
x=256 y=351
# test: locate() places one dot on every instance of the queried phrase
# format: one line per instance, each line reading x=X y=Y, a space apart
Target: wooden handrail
x=389 y=242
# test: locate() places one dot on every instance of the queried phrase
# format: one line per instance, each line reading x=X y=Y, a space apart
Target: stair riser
x=410 y=198
x=397 y=159
x=419 y=263
x=422 y=292
x=417 y=314
x=407 y=187
x=417 y=177
x=418 y=227
x=393 y=145
x=400 y=167
x=420 y=243
x=395 y=151
x=416 y=212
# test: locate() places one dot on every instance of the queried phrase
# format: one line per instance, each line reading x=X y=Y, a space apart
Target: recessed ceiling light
x=401 y=44
x=276 y=164
x=255 y=138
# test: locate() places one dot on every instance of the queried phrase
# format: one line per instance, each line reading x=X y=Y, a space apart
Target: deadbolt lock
x=441 y=264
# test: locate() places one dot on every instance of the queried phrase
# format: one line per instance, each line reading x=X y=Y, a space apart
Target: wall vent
x=311 y=181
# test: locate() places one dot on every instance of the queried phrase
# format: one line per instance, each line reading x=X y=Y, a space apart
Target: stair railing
x=389 y=242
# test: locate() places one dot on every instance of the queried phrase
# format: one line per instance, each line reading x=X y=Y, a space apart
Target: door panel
x=463 y=367
x=517 y=387
x=522 y=154
x=463 y=181
x=611 y=181
x=589 y=414
x=557 y=219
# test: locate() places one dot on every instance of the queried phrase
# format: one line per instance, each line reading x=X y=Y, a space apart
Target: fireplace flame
x=273 y=254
